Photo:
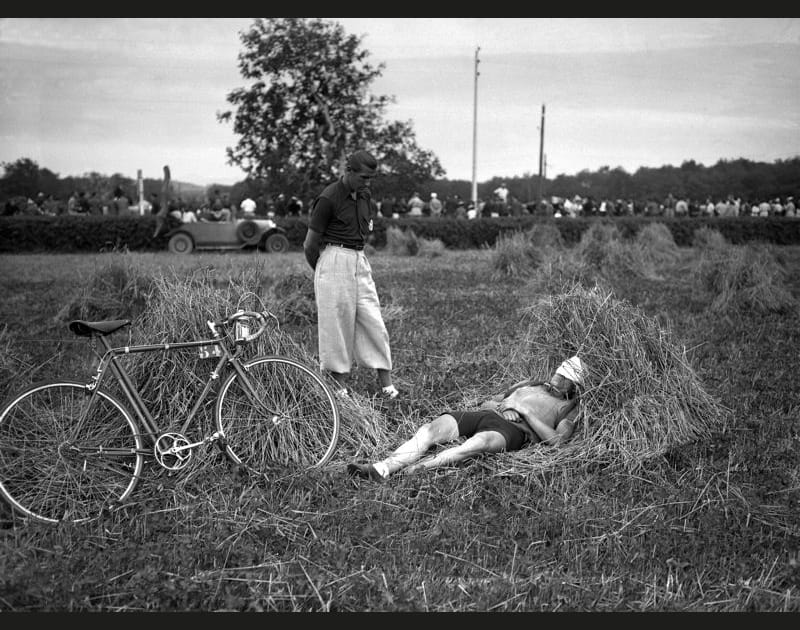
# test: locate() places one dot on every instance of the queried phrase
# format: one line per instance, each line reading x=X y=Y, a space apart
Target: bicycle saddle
x=87 y=329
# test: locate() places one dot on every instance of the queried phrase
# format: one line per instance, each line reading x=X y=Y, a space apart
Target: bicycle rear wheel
x=283 y=414
x=55 y=467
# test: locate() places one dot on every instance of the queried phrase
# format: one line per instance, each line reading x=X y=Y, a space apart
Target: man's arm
x=311 y=247
x=563 y=430
x=494 y=401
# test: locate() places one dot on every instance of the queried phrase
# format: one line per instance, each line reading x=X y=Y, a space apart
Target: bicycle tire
x=294 y=420
x=51 y=469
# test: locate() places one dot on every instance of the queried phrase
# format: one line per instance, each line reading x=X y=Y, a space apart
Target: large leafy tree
x=308 y=105
x=24 y=177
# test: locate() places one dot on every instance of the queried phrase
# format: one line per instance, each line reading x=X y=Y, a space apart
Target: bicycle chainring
x=167 y=453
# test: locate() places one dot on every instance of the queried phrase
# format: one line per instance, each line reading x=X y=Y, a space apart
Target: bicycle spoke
x=65 y=455
x=290 y=418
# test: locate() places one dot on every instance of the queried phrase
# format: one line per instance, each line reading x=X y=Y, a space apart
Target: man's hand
x=311 y=247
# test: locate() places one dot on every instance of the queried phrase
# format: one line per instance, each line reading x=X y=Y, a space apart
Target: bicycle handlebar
x=261 y=318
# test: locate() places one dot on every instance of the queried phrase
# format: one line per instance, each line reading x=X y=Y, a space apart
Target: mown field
x=691 y=513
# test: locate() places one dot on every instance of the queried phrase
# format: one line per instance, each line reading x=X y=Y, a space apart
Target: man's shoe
x=389 y=393
x=364 y=471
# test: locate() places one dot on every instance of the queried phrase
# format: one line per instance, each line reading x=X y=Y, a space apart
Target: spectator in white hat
x=528 y=412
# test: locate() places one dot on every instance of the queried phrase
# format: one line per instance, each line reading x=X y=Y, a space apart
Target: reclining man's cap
x=573 y=369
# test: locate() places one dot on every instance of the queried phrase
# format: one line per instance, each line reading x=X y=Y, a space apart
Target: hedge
x=71 y=233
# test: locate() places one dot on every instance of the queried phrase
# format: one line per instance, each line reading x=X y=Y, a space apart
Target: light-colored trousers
x=350 y=324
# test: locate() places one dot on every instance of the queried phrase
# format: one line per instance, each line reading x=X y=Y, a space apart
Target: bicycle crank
x=173 y=451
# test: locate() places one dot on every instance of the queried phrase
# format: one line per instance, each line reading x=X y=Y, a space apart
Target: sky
x=118 y=95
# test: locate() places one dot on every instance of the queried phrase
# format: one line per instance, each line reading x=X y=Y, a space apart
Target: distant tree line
x=740 y=178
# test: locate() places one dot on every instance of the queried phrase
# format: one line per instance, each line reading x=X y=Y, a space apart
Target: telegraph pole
x=475 y=135
x=541 y=156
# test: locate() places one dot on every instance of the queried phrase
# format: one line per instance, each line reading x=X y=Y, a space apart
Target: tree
x=24 y=177
x=308 y=106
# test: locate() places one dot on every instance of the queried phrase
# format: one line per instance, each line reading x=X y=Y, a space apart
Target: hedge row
x=101 y=233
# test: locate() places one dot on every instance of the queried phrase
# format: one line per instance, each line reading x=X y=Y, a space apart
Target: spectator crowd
x=220 y=207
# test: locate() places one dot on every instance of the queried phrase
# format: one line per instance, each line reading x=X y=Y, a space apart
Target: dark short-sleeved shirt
x=335 y=215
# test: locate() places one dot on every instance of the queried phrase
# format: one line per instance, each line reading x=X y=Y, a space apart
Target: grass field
x=708 y=524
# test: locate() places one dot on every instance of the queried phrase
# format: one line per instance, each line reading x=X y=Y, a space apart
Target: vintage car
x=263 y=234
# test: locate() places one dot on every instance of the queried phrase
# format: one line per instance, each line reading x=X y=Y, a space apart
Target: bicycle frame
x=110 y=360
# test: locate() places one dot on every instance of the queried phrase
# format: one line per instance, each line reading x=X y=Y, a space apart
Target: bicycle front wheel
x=282 y=412
x=65 y=455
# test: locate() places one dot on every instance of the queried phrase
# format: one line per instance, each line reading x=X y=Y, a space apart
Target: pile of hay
x=641 y=397
x=407 y=243
x=604 y=253
x=656 y=243
x=744 y=278
x=706 y=238
x=294 y=301
x=515 y=255
x=178 y=309
x=601 y=258
x=118 y=291
x=545 y=235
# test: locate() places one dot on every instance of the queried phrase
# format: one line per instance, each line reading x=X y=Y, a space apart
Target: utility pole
x=140 y=190
x=475 y=135
x=541 y=156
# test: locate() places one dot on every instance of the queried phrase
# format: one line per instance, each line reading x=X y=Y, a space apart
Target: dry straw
x=706 y=238
x=656 y=243
x=744 y=278
x=521 y=254
x=641 y=397
x=178 y=309
x=407 y=243
x=601 y=258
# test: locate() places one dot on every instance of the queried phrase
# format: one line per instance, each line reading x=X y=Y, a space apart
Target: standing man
x=350 y=325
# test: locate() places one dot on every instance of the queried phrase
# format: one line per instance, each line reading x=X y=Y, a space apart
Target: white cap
x=573 y=369
x=433 y=195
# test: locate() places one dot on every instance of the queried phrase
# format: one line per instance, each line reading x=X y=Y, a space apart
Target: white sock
x=390 y=389
x=382 y=469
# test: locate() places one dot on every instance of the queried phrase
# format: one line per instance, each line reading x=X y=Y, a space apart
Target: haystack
x=515 y=255
x=545 y=235
x=705 y=238
x=294 y=300
x=401 y=242
x=656 y=242
x=178 y=309
x=642 y=395
x=117 y=291
x=741 y=278
x=601 y=258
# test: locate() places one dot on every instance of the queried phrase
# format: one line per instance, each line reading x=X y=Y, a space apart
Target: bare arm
x=562 y=432
x=311 y=247
x=494 y=401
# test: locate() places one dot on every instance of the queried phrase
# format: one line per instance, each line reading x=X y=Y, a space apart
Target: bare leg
x=440 y=430
x=482 y=442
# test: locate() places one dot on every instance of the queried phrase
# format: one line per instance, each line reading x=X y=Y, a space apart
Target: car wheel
x=276 y=244
x=180 y=243
x=248 y=232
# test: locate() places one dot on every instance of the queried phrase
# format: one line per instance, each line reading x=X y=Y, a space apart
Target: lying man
x=528 y=412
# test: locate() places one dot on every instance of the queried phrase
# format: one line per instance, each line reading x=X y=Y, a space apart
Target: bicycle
x=70 y=450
